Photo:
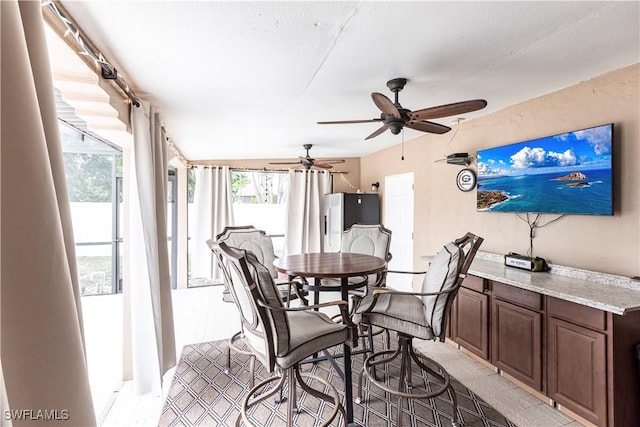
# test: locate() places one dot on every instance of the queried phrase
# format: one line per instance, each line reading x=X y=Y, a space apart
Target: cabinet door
x=577 y=369
x=472 y=322
x=517 y=342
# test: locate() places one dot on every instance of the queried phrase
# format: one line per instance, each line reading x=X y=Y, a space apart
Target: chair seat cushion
x=401 y=313
x=310 y=332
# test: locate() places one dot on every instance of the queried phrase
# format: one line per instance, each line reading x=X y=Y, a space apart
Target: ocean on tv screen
x=564 y=174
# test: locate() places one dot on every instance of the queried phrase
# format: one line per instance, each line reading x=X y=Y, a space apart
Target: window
x=259 y=200
x=93 y=170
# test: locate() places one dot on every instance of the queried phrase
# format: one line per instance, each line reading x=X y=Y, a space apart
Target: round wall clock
x=466 y=180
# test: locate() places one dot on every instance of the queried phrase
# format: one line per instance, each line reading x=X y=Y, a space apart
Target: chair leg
x=252 y=371
x=232 y=345
x=370 y=338
x=292 y=377
x=248 y=403
x=454 y=399
x=405 y=389
x=408 y=351
x=292 y=405
x=444 y=377
x=370 y=363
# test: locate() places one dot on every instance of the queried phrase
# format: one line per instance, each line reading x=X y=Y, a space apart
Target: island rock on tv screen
x=569 y=173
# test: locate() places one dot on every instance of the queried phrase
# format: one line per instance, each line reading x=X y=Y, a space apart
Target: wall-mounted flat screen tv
x=568 y=173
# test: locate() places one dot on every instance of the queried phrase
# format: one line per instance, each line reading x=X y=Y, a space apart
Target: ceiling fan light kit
x=395 y=117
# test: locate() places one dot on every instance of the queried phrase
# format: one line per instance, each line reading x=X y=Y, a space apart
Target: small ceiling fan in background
x=308 y=162
x=394 y=116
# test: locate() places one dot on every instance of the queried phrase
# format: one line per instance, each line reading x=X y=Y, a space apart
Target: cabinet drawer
x=474 y=283
x=577 y=313
x=517 y=296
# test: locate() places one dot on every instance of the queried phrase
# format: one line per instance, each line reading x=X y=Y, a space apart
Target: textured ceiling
x=251 y=79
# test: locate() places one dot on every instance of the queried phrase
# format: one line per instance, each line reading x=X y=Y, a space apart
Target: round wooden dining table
x=340 y=265
x=329 y=264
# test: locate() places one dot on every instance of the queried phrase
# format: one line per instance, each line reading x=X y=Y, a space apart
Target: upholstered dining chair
x=418 y=315
x=255 y=240
x=367 y=239
x=252 y=239
x=281 y=337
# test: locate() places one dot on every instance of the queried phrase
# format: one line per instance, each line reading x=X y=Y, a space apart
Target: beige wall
x=604 y=243
x=347 y=182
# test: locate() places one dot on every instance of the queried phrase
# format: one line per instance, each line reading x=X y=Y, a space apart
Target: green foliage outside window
x=238 y=181
x=89 y=176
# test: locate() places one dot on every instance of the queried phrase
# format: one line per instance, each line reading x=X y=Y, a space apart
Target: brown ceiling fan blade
x=343 y=122
x=285 y=163
x=429 y=127
x=377 y=132
x=448 y=110
x=330 y=161
x=385 y=104
x=322 y=165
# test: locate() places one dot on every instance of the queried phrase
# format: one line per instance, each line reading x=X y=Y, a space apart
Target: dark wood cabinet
x=517 y=342
x=471 y=327
x=591 y=366
x=580 y=357
x=577 y=369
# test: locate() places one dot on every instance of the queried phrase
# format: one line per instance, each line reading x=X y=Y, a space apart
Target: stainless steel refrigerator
x=342 y=210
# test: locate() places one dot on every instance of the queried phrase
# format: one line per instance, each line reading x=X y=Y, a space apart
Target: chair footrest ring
x=442 y=376
x=405 y=388
x=258 y=394
x=237 y=344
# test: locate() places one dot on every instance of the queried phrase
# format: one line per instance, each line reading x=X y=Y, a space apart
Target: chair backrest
x=252 y=239
x=446 y=273
x=367 y=239
x=266 y=331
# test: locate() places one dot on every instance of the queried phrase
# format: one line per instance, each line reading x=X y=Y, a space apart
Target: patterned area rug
x=202 y=394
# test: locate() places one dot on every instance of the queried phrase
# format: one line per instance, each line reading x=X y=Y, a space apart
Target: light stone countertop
x=616 y=294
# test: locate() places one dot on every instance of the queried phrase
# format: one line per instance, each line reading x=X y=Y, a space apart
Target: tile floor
x=200 y=315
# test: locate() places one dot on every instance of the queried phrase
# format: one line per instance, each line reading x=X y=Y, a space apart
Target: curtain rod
x=108 y=71
x=194 y=164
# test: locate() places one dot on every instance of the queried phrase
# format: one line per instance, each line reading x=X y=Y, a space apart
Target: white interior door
x=398 y=217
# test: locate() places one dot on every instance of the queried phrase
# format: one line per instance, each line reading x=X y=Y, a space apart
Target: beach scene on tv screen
x=569 y=173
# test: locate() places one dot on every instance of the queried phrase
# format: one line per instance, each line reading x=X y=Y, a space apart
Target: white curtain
x=304 y=210
x=213 y=206
x=42 y=350
x=152 y=331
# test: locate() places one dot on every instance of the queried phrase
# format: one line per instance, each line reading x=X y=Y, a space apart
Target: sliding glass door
x=94 y=179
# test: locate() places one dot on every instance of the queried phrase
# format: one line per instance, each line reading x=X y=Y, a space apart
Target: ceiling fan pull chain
x=402 y=158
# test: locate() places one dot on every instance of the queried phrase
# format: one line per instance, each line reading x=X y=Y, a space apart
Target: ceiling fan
x=394 y=116
x=308 y=162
